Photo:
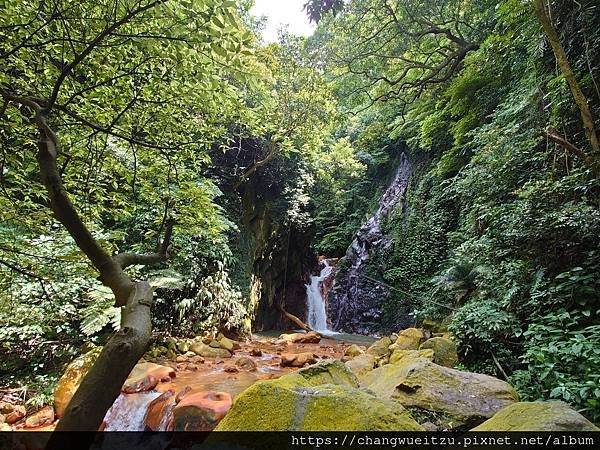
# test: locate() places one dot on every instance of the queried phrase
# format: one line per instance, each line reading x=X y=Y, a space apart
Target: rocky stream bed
x=305 y=382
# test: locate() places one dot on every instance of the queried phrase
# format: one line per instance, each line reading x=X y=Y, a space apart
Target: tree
x=148 y=85
x=395 y=50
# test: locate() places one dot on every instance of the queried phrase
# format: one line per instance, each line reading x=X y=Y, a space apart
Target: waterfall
x=317 y=314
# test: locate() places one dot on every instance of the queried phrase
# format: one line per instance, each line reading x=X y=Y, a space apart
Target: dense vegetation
x=161 y=118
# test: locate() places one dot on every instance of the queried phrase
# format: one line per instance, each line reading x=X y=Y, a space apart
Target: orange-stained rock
x=71 y=379
x=229 y=368
x=256 y=352
x=159 y=409
x=182 y=393
x=297 y=360
x=44 y=416
x=311 y=337
x=143 y=384
x=200 y=411
x=17 y=413
x=145 y=376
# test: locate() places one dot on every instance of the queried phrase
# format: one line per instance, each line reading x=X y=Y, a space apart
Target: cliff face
x=279 y=261
x=356 y=299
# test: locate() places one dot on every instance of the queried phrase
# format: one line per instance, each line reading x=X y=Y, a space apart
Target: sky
x=280 y=13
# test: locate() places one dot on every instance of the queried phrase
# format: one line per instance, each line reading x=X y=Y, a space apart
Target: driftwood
x=294 y=319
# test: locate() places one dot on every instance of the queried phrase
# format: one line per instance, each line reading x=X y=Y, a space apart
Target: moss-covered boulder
x=329 y=371
x=206 y=351
x=444 y=351
x=362 y=364
x=276 y=406
x=468 y=397
x=353 y=351
x=380 y=347
x=398 y=355
x=71 y=379
x=537 y=416
x=410 y=339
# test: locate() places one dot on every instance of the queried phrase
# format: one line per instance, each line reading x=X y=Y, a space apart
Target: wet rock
x=284 y=407
x=145 y=377
x=200 y=411
x=230 y=368
x=468 y=397
x=71 y=379
x=444 y=351
x=44 y=416
x=410 y=339
x=159 y=410
x=380 y=347
x=353 y=351
x=144 y=384
x=17 y=413
x=246 y=363
x=256 y=352
x=362 y=364
x=537 y=416
x=206 y=351
x=185 y=391
x=297 y=359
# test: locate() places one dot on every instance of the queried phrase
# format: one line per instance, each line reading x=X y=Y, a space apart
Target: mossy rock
x=206 y=351
x=537 y=416
x=71 y=379
x=331 y=371
x=468 y=397
x=380 y=347
x=398 y=355
x=275 y=406
x=362 y=364
x=410 y=339
x=444 y=351
x=353 y=351
x=434 y=326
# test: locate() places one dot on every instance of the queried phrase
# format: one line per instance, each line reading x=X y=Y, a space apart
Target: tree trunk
x=566 y=70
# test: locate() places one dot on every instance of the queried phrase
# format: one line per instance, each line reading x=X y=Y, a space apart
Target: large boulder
x=159 y=410
x=444 y=351
x=275 y=406
x=410 y=339
x=71 y=379
x=398 y=355
x=362 y=364
x=311 y=337
x=353 y=351
x=206 y=351
x=329 y=371
x=469 y=398
x=380 y=347
x=200 y=411
x=537 y=416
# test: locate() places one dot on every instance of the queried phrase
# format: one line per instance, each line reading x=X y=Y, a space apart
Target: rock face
x=71 y=379
x=273 y=406
x=418 y=382
x=537 y=416
x=356 y=300
x=444 y=351
x=200 y=411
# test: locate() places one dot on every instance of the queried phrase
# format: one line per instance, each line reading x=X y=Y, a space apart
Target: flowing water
x=317 y=311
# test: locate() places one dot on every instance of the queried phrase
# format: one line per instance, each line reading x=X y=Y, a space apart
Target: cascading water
x=317 y=312
x=355 y=301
